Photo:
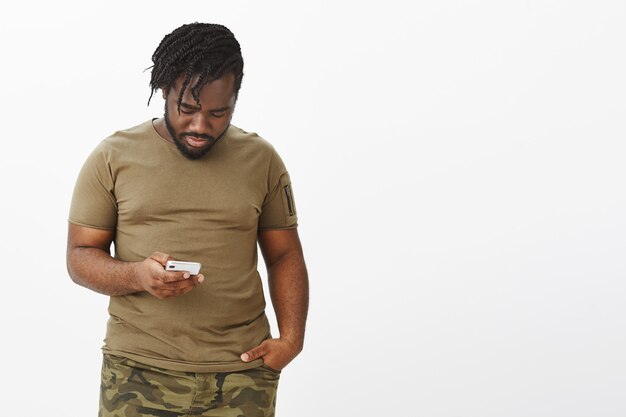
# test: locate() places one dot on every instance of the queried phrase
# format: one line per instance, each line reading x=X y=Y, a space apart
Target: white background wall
x=459 y=174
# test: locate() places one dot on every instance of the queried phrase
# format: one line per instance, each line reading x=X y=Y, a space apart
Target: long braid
x=206 y=50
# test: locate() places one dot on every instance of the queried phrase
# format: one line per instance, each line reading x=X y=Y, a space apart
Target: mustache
x=197 y=135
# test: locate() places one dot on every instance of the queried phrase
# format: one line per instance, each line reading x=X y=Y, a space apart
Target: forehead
x=217 y=91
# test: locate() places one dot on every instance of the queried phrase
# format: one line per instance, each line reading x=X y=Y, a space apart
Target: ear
x=164 y=91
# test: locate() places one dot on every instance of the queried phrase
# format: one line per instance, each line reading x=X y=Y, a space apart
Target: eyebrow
x=190 y=107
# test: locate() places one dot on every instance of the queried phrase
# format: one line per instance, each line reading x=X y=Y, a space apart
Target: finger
x=164 y=294
x=161 y=257
x=255 y=353
x=177 y=285
x=182 y=290
x=174 y=289
x=175 y=276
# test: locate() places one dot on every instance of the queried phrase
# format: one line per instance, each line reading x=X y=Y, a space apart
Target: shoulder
x=255 y=151
x=240 y=137
x=130 y=136
x=122 y=141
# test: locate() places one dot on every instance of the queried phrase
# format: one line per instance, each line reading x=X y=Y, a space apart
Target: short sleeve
x=93 y=202
x=279 y=207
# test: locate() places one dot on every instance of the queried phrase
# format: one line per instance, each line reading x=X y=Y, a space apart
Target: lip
x=195 y=142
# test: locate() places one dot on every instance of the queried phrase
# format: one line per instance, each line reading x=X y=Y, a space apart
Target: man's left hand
x=276 y=353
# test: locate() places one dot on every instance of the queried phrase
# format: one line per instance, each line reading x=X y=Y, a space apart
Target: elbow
x=70 y=267
x=288 y=258
x=70 y=272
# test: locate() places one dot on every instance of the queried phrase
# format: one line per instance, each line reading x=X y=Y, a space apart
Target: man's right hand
x=152 y=277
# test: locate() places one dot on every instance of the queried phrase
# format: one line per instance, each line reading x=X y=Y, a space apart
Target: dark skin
x=91 y=265
x=210 y=116
x=289 y=290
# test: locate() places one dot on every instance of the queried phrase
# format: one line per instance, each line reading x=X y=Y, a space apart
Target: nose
x=200 y=123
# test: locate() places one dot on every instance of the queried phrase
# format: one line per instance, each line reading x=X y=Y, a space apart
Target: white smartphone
x=192 y=267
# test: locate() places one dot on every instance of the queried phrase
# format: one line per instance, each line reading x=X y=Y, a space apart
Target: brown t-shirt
x=207 y=210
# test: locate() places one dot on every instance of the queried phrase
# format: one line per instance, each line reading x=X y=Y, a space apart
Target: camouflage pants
x=130 y=389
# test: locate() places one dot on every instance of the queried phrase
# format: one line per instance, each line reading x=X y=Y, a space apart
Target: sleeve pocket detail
x=288 y=194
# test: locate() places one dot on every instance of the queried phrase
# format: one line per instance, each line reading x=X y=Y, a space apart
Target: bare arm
x=90 y=264
x=289 y=290
x=288 y=282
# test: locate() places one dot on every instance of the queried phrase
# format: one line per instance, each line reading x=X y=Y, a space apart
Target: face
x=198 y=126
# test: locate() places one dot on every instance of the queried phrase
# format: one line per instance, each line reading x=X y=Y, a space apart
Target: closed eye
x=188 y=109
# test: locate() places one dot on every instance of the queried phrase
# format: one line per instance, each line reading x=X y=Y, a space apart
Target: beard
x=187 y=151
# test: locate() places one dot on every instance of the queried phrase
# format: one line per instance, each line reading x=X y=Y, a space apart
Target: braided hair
x=206 y=50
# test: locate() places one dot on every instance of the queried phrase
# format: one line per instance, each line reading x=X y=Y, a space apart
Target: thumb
x=255 y=353
x=161 y=257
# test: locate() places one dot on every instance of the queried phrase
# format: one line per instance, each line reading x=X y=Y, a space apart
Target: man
x=190 y=186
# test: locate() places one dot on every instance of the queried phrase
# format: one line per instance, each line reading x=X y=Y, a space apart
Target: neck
x=159 y=126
